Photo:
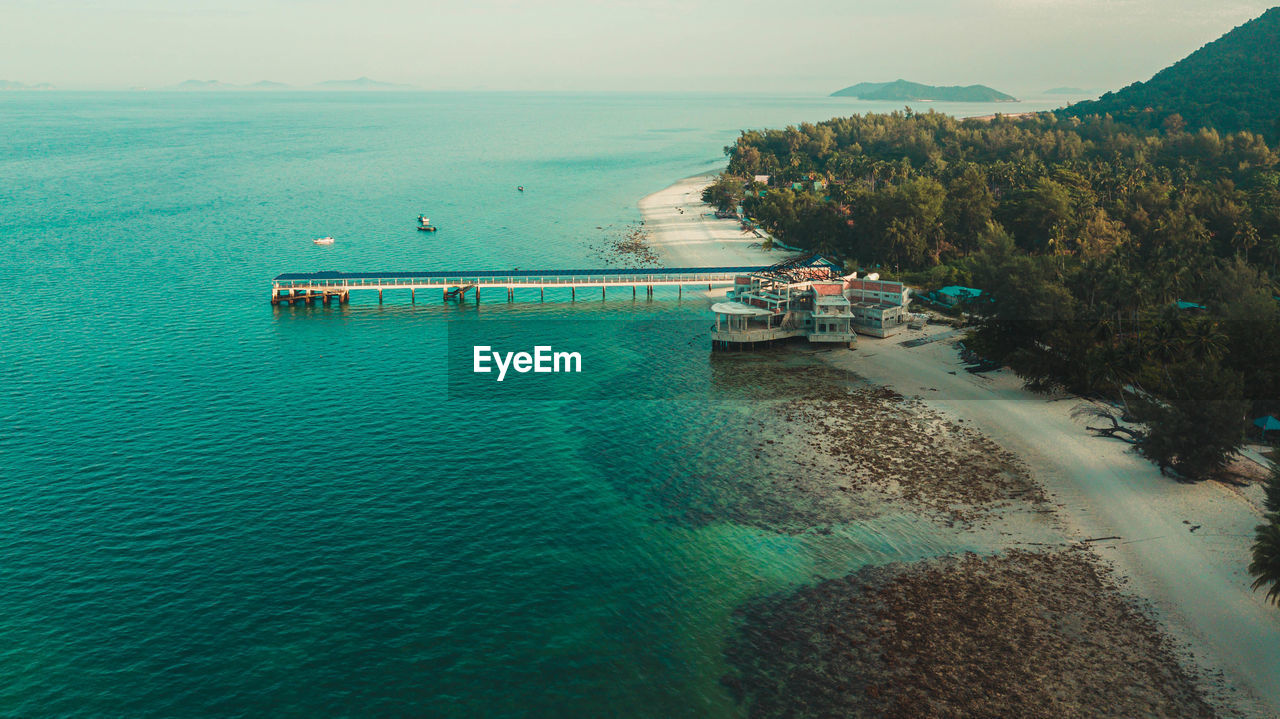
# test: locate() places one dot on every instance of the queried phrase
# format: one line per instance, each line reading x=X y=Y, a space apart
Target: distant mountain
x=11 y=85
x=901 y=90
x=1233 y=83
x=361 y=83
x=203 y=85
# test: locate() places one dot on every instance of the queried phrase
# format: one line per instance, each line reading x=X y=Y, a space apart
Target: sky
x=796 y=46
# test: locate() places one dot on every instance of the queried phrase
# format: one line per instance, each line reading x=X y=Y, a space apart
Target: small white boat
x=324 y=241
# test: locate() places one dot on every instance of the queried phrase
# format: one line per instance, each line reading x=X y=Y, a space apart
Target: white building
x=807 y=297
x=879 y=306
x=795 y=298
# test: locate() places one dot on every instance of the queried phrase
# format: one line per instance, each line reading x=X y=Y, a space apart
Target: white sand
x=696 y=238
x=1196 y=580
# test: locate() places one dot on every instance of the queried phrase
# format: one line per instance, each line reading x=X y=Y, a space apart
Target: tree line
x=1138 y=264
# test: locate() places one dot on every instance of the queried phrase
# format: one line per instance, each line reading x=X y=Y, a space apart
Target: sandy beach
x=684 y=232
x=1183 y=547
x=1181 y=550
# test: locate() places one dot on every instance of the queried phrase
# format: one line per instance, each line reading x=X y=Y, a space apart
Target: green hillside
x=1231 y=84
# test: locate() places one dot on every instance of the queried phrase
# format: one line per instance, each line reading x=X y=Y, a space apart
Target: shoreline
x=1195 y=579
x=684 y=232
x=1181 y=549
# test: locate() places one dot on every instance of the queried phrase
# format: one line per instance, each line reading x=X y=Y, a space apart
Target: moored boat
x=324 y=241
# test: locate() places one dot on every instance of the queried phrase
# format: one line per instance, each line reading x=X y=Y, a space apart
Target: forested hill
x=1231 y=84
x=905 y=91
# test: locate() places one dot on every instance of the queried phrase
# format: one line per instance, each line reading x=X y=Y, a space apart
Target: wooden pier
x=325 y=287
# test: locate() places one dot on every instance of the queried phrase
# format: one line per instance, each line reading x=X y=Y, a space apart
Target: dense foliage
x=1265 y=567
x=1085 y=235
x=1230 y=84
x=1135 y=263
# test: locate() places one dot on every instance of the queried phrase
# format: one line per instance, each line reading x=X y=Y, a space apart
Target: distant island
x=361 y=83
x=11 y=85
x=902 y=90
x=204 y=85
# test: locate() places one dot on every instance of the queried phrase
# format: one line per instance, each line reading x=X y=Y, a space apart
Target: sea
x=213 y=507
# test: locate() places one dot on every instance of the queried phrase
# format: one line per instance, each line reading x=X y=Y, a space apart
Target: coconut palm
x=1265 y=566
x=1206 y=339
x=1271 y=488
x=1268 y=251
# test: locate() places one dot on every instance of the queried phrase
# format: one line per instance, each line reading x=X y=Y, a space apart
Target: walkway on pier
x=311 y=286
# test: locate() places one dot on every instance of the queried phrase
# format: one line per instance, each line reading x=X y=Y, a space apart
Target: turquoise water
x=213 y=507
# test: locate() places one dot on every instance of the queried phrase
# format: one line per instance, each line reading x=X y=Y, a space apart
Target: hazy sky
x=1021 y=46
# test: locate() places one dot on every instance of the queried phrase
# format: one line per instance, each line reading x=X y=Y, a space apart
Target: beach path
x=684 y=231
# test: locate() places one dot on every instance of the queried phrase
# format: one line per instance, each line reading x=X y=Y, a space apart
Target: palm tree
x=1165 y=335
x=1271 y=498
x=1206 y=340
x=1265 y=566
x=1268 y=251
x=1244 y=239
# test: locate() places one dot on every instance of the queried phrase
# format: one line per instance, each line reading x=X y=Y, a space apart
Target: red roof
x=873 y=285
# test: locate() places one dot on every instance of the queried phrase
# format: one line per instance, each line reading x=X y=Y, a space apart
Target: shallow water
x=216 y=508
